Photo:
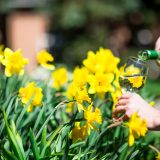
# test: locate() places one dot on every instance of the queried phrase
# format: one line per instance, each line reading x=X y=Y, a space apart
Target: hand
x=130 y=103
x=157 y=45
x=157 y=48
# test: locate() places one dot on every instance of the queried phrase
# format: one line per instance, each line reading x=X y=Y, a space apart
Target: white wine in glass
x=134 y=74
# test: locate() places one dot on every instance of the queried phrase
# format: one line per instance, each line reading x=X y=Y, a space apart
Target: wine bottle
x=149 y=55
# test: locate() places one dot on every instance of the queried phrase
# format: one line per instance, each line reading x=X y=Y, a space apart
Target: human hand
x=130 y=103
x=157 y=44
x=157 y=48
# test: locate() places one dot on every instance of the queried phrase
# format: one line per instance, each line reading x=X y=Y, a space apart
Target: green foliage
x=44 y=135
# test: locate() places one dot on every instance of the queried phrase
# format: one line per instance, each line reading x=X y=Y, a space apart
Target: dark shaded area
x=78 y=26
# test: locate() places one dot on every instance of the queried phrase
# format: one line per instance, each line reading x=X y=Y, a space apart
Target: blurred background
x=68 y=29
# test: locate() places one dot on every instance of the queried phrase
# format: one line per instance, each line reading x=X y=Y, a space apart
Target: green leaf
x=38 y=118
x=14 y=139
x=82 y=154
x=34 y=145
x=59 y=144
x=134 y=154
x=43 y=139
x=19 y=120
x=47 y=120
x=108 y=155
x=79 y=154
x=16 y=104
x=8 y=155
x=57 y=131
x=123 y=152
x=66 y=150
x=9 y=107
x=45 y=144
x=19 y=140
x=74 y=145
x=5 y=105
x=124 y=146
x=54 y=155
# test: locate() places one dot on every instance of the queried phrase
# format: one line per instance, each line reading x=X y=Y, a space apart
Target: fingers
x=126 y=95
x=122 y=102
x=123 y=110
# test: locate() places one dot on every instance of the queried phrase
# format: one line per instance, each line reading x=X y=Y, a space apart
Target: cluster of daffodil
x=14 y=63
x=98 y=75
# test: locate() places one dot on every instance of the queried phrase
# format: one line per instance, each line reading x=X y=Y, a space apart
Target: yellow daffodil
x=158 y=156
x=78 y=132
x=106 y=58
x=137 y=127
x=45 y=59
x=1 y=53
x=79 y=93
x=80 y=75
x=136 y=81
x=14 y=62
x=100 y=82
x=60 y=77
x=91 y=62
x=103 y=61
x=92 y=116
x=29 y=92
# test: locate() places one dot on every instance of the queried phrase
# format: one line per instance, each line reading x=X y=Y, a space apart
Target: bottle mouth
x=143 y=55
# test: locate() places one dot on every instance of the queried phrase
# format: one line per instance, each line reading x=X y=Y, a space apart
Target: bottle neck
x=152 y=54
x=149 y=55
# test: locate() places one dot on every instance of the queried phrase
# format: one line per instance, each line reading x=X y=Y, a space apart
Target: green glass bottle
x=149 y=55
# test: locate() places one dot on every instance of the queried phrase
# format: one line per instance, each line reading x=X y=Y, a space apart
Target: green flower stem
x=154 y=148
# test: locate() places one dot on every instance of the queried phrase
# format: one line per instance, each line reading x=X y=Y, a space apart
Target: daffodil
x=80 y=75
x=31 y=92
x=78 y=132
x=91 y=62
x=60 y=77
x=78 y=93
x=91 y=116
x=14 y=62
x=100 y=82
x=106 y=58
x=137 y=127
x=103 y=60
x=136 y=81
x=45 y=59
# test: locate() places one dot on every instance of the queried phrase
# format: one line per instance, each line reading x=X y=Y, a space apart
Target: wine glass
x=134 y=74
